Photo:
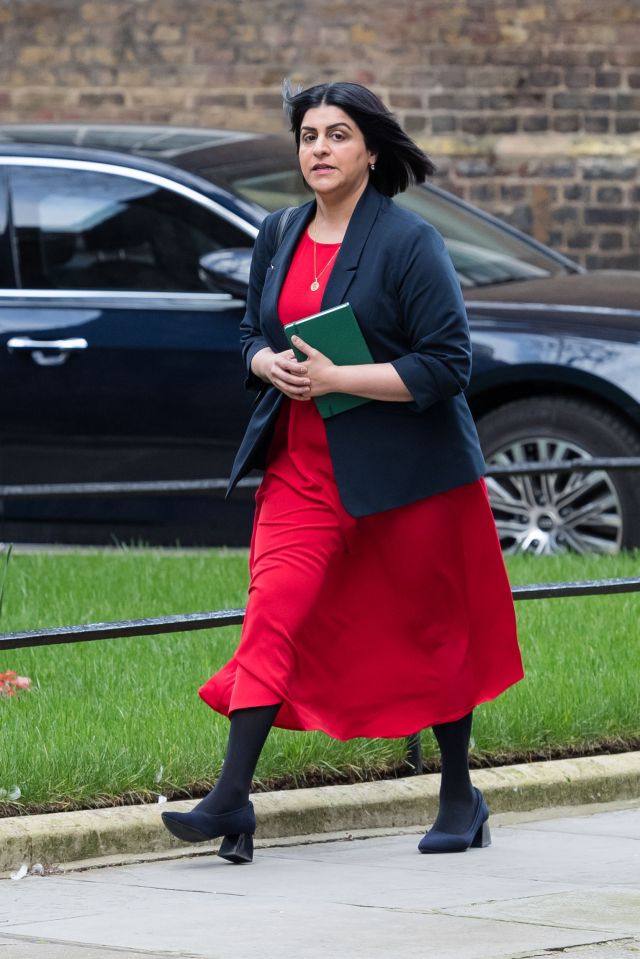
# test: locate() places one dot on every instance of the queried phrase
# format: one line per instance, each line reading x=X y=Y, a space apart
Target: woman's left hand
x=320 y=370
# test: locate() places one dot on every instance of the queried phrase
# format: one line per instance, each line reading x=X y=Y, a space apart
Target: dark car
x=119 y=351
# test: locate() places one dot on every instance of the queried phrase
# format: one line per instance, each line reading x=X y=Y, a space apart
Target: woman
x=378 y=602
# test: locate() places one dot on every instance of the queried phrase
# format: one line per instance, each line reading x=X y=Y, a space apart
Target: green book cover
x=335 y=332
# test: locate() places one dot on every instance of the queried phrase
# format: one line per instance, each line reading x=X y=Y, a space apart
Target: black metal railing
x=134 y=488
x=188 y=622
x=193 y=487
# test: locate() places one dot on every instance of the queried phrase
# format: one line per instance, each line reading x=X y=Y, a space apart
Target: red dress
x=378 y=626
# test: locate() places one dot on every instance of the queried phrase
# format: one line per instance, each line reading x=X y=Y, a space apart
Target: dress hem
x=370 y=732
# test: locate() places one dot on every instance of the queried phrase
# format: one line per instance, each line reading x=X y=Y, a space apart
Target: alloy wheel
x=554 y=512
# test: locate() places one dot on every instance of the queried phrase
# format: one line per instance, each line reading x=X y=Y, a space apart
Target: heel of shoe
x=237 y=848
x=482 y=838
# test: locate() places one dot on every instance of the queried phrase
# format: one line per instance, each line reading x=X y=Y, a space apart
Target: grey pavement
x=561 y=881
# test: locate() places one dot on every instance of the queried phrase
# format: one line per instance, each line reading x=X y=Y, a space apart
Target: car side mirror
x=226 y=270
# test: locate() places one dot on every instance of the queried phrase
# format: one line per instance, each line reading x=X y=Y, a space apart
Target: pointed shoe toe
x=477 y=835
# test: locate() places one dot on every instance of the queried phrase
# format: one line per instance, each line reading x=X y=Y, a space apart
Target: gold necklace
x=316 y=276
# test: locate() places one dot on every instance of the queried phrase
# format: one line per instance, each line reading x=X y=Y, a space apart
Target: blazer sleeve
x=251 y=338
x=434 y=318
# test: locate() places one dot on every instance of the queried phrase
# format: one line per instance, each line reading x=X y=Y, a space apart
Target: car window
x=86 y=230
x=273 y=189
x=482 y=252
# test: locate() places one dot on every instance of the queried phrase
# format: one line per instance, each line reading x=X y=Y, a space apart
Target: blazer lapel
x=344 y=269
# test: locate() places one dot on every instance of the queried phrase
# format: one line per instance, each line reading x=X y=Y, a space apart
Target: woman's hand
x=319 y=369
x=284 y=372
x=318 y=375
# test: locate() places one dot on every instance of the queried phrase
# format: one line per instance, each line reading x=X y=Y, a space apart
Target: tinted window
x=483 y=253
x=82 y=230
x=273 y=189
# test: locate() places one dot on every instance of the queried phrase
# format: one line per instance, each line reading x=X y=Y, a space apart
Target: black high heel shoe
x=237 y=827
x=477 y=835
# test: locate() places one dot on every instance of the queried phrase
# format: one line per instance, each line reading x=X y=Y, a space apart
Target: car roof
x=185 y=147
x=205 y=159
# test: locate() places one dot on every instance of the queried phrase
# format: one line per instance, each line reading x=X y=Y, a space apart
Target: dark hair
x=400 y=161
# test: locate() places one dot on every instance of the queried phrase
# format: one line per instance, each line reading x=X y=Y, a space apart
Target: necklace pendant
x=314 y=286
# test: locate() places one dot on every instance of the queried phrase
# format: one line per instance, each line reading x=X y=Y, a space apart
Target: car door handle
x=60 y=348
x=26 y=343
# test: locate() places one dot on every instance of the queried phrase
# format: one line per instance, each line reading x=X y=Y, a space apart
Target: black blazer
x=395 y=272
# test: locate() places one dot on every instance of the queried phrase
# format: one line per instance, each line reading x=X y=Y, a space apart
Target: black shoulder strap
x=285 y=217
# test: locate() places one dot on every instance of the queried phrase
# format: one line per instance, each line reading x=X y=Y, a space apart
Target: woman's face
x=333 y=156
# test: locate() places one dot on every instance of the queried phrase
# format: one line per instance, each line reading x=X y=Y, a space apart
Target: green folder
x=335 y=332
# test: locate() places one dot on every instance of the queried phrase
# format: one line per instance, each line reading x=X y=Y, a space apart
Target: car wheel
x=582 y=512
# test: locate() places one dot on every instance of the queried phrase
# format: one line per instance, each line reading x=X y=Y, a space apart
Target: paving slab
x=620 y=949
x=569 y=883
x=397 y=877
x=623 y=822
x=34 y=948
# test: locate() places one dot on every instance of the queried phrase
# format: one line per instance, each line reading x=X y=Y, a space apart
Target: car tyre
x=581 y=512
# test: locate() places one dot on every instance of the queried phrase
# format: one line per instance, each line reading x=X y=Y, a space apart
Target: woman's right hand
x=283 y=371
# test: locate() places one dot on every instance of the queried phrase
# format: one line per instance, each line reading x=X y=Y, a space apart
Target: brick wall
x=529 y=107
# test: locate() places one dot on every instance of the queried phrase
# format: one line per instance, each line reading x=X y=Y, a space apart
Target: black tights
x=248 y=731
x=457 y=798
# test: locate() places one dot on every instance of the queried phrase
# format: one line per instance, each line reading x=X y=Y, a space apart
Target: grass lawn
x=122 y=717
